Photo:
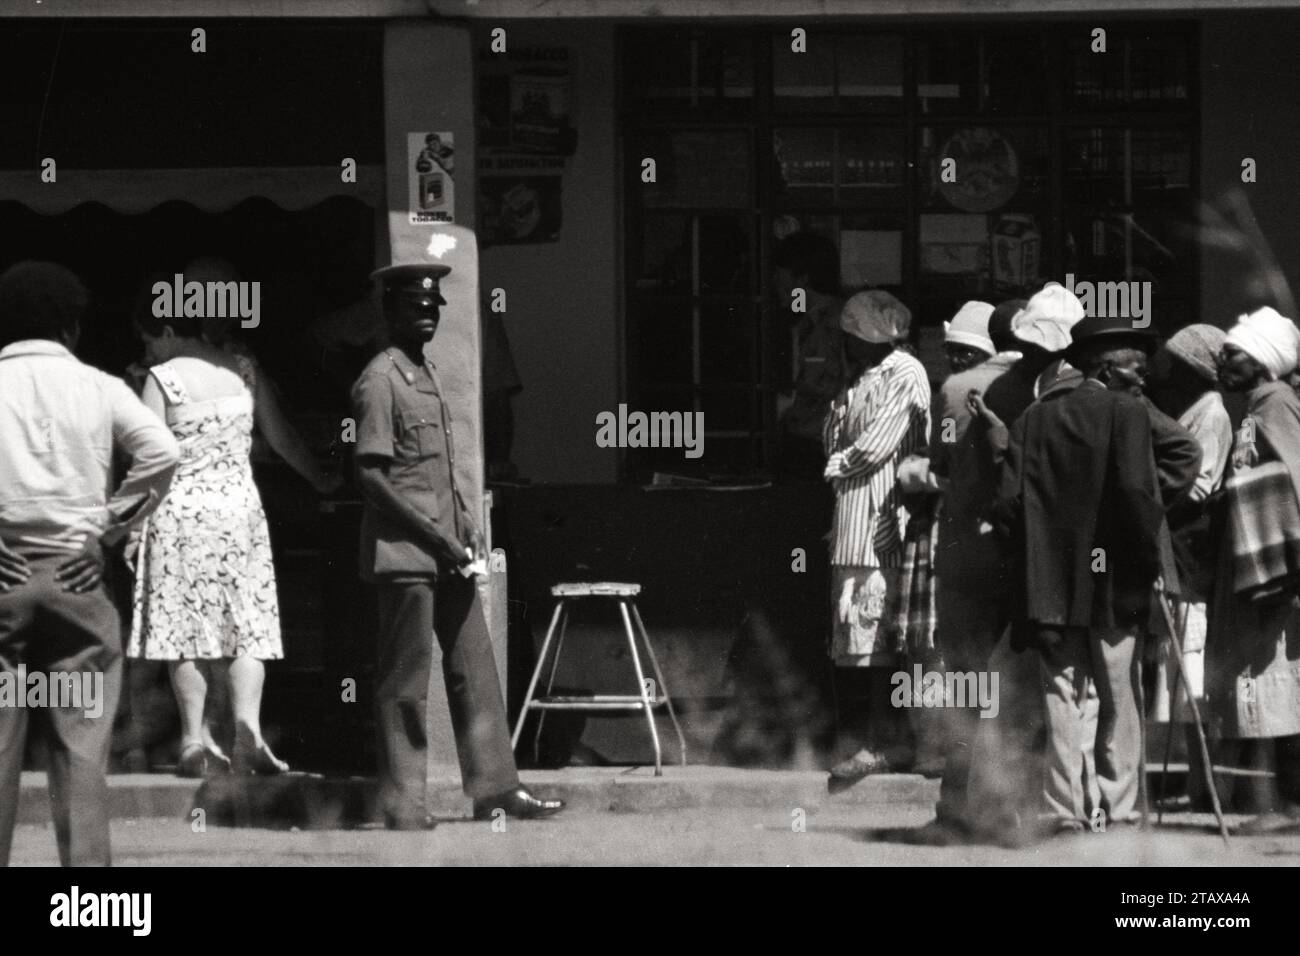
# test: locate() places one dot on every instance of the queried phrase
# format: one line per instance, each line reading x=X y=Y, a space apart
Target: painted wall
x=1250 y=88
x=563 y=307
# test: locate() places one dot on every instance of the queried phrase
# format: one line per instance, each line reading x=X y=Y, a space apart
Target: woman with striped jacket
x=878 y=420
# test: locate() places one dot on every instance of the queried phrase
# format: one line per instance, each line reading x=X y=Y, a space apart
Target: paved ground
x=616 y=815
x=835 y=834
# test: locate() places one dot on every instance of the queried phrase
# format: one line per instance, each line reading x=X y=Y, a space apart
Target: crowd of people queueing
x=1072 y=494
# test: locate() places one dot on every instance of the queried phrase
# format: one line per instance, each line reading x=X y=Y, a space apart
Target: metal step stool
x=645 y=701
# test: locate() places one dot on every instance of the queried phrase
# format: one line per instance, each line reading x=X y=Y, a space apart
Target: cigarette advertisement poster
x=524 y=101
x=431 y=194
x=519 y=199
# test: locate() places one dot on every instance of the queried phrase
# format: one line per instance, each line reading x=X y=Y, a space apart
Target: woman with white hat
x=1253 y=644
x=882 y=417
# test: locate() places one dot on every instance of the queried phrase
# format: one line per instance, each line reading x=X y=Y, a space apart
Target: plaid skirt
x=912 y=605
x=886 y=616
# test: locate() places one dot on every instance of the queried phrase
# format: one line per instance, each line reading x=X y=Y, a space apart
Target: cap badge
x=426 y=283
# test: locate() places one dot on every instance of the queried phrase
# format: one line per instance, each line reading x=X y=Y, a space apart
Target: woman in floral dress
x=205 y=598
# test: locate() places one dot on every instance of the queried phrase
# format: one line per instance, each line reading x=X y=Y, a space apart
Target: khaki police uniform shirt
x=401 y=416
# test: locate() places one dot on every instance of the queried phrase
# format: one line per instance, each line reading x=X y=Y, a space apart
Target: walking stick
x=1142 y=746
x=1169 y=736
x=1196 y=713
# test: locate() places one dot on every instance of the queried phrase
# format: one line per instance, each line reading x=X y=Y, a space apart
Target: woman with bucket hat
x=878 y=420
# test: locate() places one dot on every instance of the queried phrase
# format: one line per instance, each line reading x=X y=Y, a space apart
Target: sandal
x=260 y=761
x=193 y=762
x=218 y=762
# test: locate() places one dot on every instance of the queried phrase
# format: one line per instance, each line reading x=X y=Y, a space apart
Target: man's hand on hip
x=14 y=569
x=84 y=570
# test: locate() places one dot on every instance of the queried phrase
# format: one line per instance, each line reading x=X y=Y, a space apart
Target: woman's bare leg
x=247 y=676
x=190 y=685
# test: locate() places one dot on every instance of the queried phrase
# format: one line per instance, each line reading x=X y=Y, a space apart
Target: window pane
x=726 y=254
x=946 y=74
x=871 y=252
x=805 y=166
x=1159 y=71
x=1094 y=166
x=1111 y=165
x=707 y=169
x=1162 y=162
x=665 y=261
x=1094 y=81
x=726 y=343
x=982 y=233
x=991 y=166
x=1013 y=70
x=871 y=167
x=661 y=340
x=657 y=69
x=729 y=410
x=803 y=82
x=869 y=73
x=726 y=71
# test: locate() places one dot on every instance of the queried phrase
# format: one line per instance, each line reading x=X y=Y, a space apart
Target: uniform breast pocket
x=421 y=431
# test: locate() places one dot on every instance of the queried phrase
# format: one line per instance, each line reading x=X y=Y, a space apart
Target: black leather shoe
x=426 y=822
x=517 y=803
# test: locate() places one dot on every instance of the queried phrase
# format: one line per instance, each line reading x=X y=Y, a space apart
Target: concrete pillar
x=429 y=87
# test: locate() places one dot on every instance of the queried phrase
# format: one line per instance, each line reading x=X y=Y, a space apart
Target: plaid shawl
x=1264 y=525
x=912 y=605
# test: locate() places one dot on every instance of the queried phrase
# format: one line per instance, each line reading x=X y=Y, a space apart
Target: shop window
x=1127 y=191
x=869 y=73
x=828 y=71
x=1065 y=161
x=727 y=347
x=676 y=71
x=1138 y=70
x=697 y=168
x=983 y=206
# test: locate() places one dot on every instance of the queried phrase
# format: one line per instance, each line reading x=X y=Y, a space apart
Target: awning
x=134 y=191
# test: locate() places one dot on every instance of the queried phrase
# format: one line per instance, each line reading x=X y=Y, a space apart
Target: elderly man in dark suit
x=1082 y=498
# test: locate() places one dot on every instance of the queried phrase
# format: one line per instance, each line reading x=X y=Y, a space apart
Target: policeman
x=417 y=540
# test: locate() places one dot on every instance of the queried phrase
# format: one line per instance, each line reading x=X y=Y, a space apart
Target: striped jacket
x=876 y=422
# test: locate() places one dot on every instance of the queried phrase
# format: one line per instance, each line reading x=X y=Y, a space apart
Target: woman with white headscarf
x=882 y=417
x=1253 y=645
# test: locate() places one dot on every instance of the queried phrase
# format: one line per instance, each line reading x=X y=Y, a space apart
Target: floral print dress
x=205 y=584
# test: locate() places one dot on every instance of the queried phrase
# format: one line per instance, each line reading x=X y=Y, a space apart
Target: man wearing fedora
x=418 y=543
x=1081 y=492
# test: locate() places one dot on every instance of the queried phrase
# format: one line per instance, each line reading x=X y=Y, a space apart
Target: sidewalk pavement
x=302 y=799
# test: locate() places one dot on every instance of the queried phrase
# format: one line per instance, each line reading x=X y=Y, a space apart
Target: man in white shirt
x=60 y=423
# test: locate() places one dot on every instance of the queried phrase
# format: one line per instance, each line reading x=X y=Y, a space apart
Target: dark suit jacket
x=1080 y=474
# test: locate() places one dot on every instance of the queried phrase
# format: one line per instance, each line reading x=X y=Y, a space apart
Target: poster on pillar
x=519 y=199
x=431 y=192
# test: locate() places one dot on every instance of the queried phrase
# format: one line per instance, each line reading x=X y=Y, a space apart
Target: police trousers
x=411 y=613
